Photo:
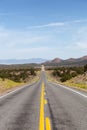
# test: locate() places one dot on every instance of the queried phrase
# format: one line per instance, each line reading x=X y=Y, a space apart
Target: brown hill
x=71 y=61
x=57 y=60
x=77 y=59
x=83 y=58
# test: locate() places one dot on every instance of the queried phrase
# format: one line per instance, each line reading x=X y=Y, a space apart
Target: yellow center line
x=45 y=101
x=41 y=126
x=42 y=115
x=48 y=124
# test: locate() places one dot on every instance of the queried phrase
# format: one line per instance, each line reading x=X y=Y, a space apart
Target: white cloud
x=11 y=38
x=22 y=44
x=81 y=45
x=77 y=21
x=20 y=53
x=52 y=42
x=56 y=24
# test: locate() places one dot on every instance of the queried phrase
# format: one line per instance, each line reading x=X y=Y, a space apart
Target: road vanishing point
x=44 y=105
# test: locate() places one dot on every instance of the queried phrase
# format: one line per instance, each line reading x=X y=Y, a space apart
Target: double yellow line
x=42 y=113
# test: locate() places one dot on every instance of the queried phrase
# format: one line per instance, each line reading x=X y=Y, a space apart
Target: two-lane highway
x=43 y=106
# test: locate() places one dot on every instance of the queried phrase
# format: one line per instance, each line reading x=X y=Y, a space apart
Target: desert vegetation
x=10 y=78
x=70 y=76
x=66 y=73
x=85 y=68
x=17 y=75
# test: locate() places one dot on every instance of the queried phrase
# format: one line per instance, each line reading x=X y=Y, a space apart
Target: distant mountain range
x=70 y=61
x=54 y=62
x=22 y=61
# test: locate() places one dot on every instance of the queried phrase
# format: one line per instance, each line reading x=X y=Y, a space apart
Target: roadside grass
x=76 y=85
x=78 y=82
x=8 y=85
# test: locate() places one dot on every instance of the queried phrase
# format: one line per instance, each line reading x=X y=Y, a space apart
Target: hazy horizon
x=41 y=58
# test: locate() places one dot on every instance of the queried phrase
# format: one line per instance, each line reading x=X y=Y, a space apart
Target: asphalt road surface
x=44 y=106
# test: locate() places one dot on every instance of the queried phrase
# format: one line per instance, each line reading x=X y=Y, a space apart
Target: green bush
x=17 y=75
x=66 y=73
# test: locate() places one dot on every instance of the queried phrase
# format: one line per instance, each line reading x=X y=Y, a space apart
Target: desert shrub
x=66 y=73
x=85 y=68
x=32 y=72
x=17 y=75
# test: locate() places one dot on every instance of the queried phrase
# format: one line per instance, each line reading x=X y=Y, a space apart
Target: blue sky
x=43 y=29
